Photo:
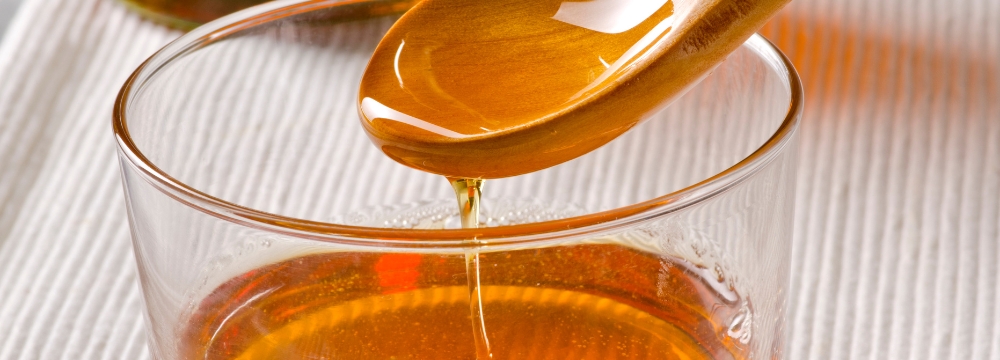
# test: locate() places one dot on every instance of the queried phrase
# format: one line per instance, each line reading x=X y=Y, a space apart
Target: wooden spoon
x=491 y=89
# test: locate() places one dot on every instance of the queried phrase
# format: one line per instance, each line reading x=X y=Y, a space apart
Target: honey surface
x=515 y=62
x=581 y=302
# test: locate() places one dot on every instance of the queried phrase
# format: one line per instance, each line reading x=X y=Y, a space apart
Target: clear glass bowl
x=255 y=199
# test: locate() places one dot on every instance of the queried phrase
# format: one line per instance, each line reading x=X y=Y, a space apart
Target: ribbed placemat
x=898 y=203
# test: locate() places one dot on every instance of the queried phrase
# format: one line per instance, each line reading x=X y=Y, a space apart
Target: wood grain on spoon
x=491 y=89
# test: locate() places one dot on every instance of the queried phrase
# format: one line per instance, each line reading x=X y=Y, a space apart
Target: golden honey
x=597 y=301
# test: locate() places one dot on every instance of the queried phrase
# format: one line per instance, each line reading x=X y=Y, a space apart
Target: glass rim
x=592 y=223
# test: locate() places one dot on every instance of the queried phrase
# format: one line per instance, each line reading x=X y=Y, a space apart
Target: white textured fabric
x=898 y=203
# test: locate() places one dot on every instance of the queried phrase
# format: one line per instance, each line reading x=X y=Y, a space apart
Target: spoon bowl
x=474 y=89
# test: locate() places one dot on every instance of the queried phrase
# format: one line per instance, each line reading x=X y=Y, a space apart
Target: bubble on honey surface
x=443 y=214
x=741 y=325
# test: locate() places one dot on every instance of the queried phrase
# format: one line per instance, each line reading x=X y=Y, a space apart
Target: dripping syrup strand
x=469 y=192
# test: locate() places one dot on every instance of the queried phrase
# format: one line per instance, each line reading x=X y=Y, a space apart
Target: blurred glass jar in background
x=188 y=14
